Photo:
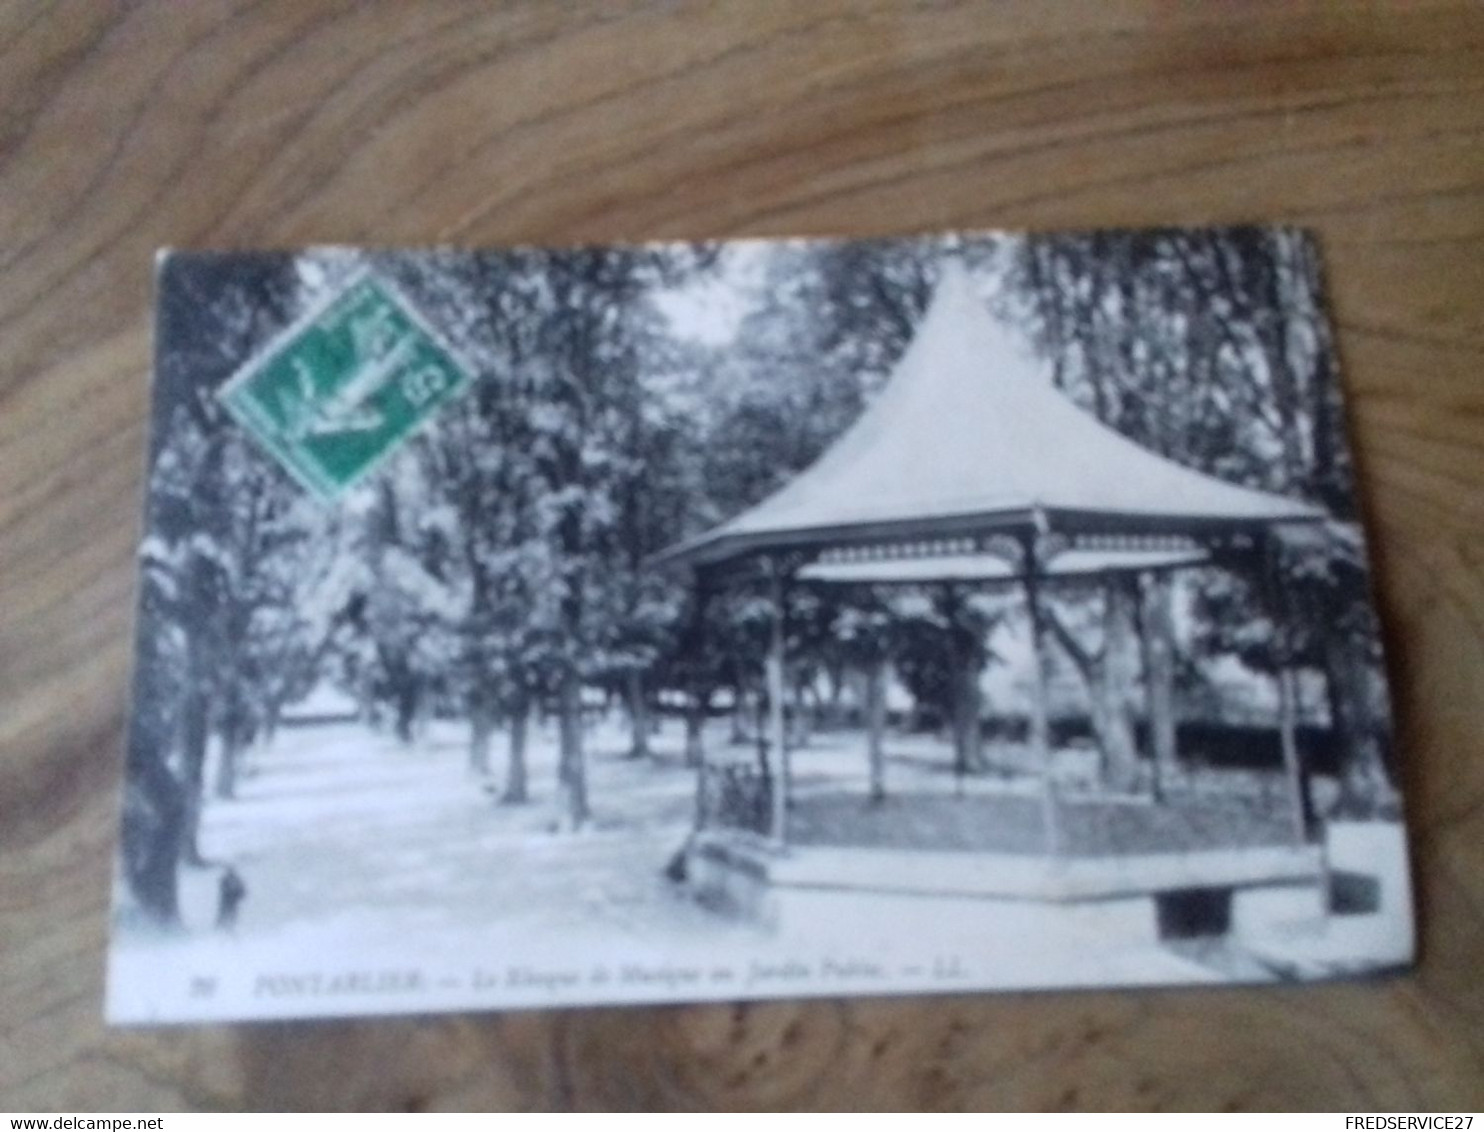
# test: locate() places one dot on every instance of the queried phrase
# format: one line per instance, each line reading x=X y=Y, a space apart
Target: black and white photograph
x=751 y=619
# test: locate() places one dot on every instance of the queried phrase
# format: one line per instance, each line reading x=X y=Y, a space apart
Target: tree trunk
x=1280 y=609
x=195 y=734
x=968 y=739
x=739 y=718
x=1288 y=743
x=366 y=705
x=1116 y=675
x=481 y=731
x=1364 y=785
x=695 y=720
x=1158 y=637
x=973 y=709
x=234 y=736
x=516 y=791
x=801 y=717
x=913 y=723
x=233 y=744
x=270 y=724
x=571 y=764
x=152 y=838
x=407 y=697
x=638 y=707
x=1105 y=677
x=876 y=726
x=830 y=712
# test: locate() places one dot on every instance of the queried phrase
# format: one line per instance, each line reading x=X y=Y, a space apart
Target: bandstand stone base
x=1125 y=900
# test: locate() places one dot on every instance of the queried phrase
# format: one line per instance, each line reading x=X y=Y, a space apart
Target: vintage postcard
x=750 y=619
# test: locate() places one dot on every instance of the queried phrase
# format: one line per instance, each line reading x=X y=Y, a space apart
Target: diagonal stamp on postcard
x=344 y=389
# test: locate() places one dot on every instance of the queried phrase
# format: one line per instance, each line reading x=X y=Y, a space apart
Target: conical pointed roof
x=968 y=435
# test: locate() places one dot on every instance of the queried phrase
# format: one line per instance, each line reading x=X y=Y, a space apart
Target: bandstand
x=971 y=471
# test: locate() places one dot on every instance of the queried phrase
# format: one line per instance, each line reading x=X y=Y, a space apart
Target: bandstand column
x=876 y=724
x=1040 y=707
x=1280 y=610
x=1156 y=636
x=777 y=730
x=958 y=729
x=694 y=638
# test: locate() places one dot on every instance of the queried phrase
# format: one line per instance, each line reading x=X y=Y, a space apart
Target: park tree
x=1212 y=348
x=1096 y=628
x=864 y=641
x=223 y=524
x=479 y=493
x=556 y=471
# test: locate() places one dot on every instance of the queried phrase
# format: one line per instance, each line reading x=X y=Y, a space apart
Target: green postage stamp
x=344 y=388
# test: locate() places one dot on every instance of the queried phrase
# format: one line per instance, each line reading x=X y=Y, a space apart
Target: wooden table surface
x=127 y=127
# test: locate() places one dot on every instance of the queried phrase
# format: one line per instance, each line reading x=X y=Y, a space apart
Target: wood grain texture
x=124 y=128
